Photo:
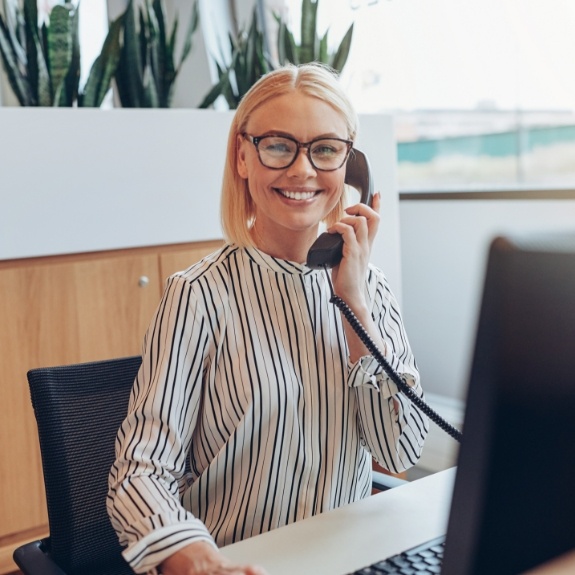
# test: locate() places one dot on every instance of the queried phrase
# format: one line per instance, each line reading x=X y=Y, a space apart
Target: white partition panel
x=444 y=253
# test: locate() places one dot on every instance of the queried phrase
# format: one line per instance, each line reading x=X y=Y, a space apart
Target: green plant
x=42 y=62
x=312 y=47
x=103 y=69
x=249 y=61
x=146 y=70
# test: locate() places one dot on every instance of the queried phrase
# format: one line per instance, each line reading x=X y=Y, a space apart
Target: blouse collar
x=276 y=264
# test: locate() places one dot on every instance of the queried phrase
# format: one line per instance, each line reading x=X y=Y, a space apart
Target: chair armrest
x=382 y=482
x=33 y=560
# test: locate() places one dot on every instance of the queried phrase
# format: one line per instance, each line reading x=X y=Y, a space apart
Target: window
x=483 y=91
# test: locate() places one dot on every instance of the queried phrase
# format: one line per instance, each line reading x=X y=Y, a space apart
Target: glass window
x=483 y=91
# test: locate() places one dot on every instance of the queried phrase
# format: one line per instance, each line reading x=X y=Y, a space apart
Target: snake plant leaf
x=150 y=95
x=18 y=82
x=154 y=62
x=30 y=16
x=230 y=96
x=249 y=62
x=192 y=27
x=103 y=68
x=15 y=26
x=323 y=51
x=287 y=48
x=342 y=53
x=218 y=88
x=133 y=56
x=157 y=21
x=308 y=50
x=171 y=43
x=255 y=60
x=146 y=70
x=70 y=93
x=170 y=69
x=129 y=74
x=42 y=84
x=312 y=48
x=59 y=45
x=31 y=11
x=281 y=40
x=230 y=88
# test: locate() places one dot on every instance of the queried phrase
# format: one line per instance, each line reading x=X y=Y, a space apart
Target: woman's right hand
x=202 y=558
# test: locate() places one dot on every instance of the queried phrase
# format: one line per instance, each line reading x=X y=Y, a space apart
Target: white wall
x=444 y=246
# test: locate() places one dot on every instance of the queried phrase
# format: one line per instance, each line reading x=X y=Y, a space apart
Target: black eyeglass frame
x=255 y=140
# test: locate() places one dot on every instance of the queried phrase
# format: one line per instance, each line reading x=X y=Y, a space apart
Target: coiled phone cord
x=393 y=375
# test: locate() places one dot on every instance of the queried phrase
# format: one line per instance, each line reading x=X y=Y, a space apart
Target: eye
x=327 y=148
x=276 y=146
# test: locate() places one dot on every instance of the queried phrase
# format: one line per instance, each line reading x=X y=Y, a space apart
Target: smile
x=296 y=195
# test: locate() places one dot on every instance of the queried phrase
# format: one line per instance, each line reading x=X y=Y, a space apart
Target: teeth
x=297 y=195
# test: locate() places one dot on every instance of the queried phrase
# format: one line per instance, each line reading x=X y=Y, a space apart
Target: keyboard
x=421 y=560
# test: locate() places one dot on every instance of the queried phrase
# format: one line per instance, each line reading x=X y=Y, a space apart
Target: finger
x=359 y=225
x=365 y=209
x=347 y=228
x=376 y=202
x=255 y=570
x=361 y=210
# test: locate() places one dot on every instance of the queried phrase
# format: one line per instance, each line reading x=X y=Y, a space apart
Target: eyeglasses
x=279 y=152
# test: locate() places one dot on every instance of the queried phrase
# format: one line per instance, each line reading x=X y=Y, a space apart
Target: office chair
x=79 y=409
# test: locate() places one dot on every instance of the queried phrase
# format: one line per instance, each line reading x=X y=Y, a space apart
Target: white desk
x=340 y=541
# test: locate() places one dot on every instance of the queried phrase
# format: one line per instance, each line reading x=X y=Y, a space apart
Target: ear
x=241 y=163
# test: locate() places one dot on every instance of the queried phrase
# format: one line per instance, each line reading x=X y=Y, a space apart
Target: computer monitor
x=514 y=498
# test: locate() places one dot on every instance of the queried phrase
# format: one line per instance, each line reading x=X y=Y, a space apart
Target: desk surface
x=345 y=539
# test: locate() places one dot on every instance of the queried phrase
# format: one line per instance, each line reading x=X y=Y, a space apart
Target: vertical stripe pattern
x=246 y=415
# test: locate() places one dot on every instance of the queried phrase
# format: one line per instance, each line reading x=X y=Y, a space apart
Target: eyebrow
x=288 y=135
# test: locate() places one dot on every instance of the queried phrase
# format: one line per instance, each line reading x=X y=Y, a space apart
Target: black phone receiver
x=327 y=250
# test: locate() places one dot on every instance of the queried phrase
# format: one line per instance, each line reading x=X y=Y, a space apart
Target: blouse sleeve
x=392 y=428
x=152 y=443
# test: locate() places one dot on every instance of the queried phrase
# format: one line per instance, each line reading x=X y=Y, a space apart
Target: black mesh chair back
x=79 y=409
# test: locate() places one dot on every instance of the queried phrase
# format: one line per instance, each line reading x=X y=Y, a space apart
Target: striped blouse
x=246 y=414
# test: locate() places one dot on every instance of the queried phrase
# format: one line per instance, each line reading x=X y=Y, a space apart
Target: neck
x=293 y=249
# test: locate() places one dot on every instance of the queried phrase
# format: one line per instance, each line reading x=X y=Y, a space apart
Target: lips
x=296 y=195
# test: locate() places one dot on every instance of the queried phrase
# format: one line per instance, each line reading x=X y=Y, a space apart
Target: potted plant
x=250 y=57
x=147 y=67
x=312 y=47
x=250 y=60
x=42 y=61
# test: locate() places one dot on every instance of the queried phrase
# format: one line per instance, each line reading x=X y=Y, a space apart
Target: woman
x=256 y=404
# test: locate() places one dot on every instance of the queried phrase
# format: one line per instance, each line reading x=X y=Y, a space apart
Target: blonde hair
x=316 y=80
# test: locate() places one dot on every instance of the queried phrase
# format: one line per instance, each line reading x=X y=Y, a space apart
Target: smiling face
x=291 y=202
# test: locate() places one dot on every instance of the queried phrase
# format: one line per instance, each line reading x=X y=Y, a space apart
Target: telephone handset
x=327 y=250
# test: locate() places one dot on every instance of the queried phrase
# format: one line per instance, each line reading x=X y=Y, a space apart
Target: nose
x=302 y=165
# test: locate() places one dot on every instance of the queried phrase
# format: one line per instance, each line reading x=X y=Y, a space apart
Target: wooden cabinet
x=61 y=310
